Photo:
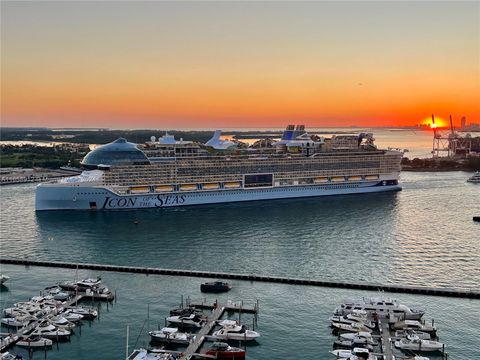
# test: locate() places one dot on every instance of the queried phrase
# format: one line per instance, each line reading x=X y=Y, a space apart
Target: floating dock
x=252 y=277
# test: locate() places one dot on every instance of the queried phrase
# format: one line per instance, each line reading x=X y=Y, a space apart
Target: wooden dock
x=252 y=277
x=194 y=346
x=386 y=341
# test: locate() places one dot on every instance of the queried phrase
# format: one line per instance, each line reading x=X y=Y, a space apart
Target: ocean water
x=423 y=235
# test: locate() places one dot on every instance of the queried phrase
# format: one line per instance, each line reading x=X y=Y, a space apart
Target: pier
x=459 y=293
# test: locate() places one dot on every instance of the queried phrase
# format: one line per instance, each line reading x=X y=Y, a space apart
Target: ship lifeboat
x=321 y=180
x=188 y=187
x=211 y=186
x=232 y=185
x=355 y=178
x=163 y=188
x=338 y=179
x=371 y=177
x=139 y=189
x=222 y=350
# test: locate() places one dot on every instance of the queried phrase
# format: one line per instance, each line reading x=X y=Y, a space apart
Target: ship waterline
x=169 y=173
x=52 y=197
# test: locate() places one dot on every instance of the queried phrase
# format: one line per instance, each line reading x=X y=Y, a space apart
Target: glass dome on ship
x=119 y=152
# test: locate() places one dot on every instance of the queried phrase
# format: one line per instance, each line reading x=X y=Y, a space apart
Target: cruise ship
x=166 y=172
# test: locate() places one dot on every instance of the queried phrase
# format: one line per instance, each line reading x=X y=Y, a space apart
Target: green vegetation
x=28 y=156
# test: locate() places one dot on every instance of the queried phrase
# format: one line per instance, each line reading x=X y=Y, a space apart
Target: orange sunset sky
x=238 y=64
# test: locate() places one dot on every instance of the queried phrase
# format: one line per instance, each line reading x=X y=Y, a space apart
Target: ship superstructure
x=167 y=172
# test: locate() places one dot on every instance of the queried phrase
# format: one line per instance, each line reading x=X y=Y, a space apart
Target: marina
x=46 y=319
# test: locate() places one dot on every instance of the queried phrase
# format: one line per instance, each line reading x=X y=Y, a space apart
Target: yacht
x=50 y=331
x=34 y=342
x=350 y=319
x=170 y=335
x=236 y=332
x=222 y=350
x=475 y=178
x=353 y=327
x=380 y=306
x=87 y=313
x=419 y=334
x=413 y=343
x=356 y=353
x=191 y=320
x=414 y=325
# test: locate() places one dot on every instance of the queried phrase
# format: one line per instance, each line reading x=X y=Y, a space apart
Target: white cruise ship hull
x=88 y=197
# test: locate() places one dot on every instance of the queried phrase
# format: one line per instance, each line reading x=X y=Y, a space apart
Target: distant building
x=463 y=122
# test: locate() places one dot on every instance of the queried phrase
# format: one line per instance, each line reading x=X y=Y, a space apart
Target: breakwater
x=252 y=277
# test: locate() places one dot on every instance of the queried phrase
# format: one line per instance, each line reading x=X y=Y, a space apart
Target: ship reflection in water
x=265 y=237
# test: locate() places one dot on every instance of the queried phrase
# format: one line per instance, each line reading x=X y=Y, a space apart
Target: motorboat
x=170 y=335
x=417 y=357
x=72 y=317
x=350 y=344
x=475 y=178
x=361 y=335
x=354 y=327
x=3 y=279
x=87 y=313
x=413 y=343
x=62 y=323
x=34 y=342
x=414 y=325
x=420 y=334
x=50 y=331
x=356 y=353
x=380 y=306
x=236 y=332
x=184 y=311
x=215 y=287
x=9 y=356
x=152 y=354
x=222 y=350
x=193 y=320
x=57 y=293
x=349 y=319
x=81 y=285
x=19 y=321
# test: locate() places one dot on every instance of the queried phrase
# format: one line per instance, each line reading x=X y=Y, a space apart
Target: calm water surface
x=423 y=235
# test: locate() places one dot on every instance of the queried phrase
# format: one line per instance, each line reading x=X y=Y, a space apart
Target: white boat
x=61 y=323
x=193 y=320
x=380 y=306
x=475 y=178
x=3 y=278
x=50 y=331
x=353 y=354
x=350 y=344
x=413 y=343
x=417 y=358
x=361 y=335
x=71 y=316
x=34 y=342
x=350 y=319
x=18 y=321
x=236 y=332
x=420 y=334
x=143 y=354
x=354 y=327
x=57 y=294
x=170 y=335
x=414 y=325
x=87 y=313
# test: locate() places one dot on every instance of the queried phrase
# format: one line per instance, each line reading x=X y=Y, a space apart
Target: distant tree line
x=468 y=164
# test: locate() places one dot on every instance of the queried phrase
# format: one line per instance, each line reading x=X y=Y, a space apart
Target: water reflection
x=301 y=237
